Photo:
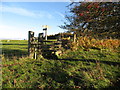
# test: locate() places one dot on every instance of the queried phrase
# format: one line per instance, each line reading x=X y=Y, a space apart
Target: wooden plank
x=47 y=41
x=57 y=46
x=51 y=41
x=41 y=43
x=48 y=50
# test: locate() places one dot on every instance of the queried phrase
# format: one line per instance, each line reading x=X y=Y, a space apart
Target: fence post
x=40 y=37
x=59 y=37
x=30 y=39
x=74 y=37
x=35 y=53
x=40 y=42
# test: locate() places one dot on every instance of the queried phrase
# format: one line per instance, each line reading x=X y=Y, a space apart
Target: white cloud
x=19 y=11
x=44 y=14
x=25 y=12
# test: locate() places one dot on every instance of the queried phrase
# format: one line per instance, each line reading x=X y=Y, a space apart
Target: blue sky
x=17 y=18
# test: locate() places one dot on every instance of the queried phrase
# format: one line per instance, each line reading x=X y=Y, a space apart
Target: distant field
x=16 y=48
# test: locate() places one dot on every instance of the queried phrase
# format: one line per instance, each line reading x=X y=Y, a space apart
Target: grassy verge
x=93 y=69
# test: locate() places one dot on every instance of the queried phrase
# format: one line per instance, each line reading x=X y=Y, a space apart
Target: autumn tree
x=98 y=18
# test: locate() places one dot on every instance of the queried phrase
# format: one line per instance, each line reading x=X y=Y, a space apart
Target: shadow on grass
x=62 y=77
x=11 y=53
x=94 y=61
x=115 y=86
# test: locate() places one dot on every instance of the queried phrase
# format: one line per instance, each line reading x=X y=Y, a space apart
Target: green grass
x=93 y=69
x=16 y=48
x=101 y=55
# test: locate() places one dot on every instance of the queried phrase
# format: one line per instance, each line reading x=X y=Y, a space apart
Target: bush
x=92 y=43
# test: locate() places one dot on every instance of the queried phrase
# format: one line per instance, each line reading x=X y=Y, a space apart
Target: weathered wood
x=30 y=39
x=35 y=53
x=74 y=38
x=40 y=37
x=59 y=37
x=37 y=45
x=49 y=41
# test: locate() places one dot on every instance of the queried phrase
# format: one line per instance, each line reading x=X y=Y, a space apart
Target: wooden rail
x=37 y=45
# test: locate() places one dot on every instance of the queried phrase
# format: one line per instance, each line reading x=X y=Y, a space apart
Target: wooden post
x=59 y=37
x=30 y=39
x=74 y=37
x=35 y=53
x=45 y=29
x=40 y=37
x=46 y=34
x=40 y=42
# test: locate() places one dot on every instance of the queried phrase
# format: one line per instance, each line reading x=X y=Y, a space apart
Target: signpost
x=45 y=29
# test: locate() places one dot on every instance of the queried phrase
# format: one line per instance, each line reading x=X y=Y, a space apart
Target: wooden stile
x=38 y=45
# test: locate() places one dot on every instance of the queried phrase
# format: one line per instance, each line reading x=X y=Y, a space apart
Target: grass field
x=14 y=48
x=93 y=69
